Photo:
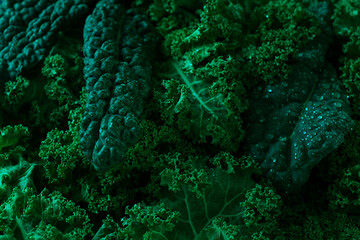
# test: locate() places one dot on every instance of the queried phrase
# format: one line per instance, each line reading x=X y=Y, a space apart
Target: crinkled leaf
x=199 y=215
x=293 y=125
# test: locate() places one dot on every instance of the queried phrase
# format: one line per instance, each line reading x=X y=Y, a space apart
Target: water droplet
x=320 y=117
x=270 y=136
x=336 y=94
x=283 y=139
x=337 y=104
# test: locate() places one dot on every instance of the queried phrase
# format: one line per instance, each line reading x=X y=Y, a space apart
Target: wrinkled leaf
x=217 y=211
x=293 y=125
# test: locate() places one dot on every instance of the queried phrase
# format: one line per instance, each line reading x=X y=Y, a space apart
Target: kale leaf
x=118 y=48
x=30 y=28
x=294 y=124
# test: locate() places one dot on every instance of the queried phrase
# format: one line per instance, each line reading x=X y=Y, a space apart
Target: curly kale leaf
x=218 y=203
x=47 y=215
x=277 y=30
x=205 y=106
x=118 y=52
x=60 y=151
x=346 y=24
x=346 y=16
x=344 y=192
x=198 y=203
x=10 y=135
x=16 y=168
x=203 y=93
x=201 y=111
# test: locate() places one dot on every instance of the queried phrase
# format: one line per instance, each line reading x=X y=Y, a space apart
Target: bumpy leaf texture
x=118 y=49
x=293 y=125
x=29 y=28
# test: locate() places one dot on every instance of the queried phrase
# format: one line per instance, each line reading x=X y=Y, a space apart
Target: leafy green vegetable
x=60 y=151
x=202 y=93
x=25 y=43
x=11 y=135
x=277 y=32
x=299 y=122
x=117 y=72
x=45 y=216
x=233 y=88
x=15 y=91
x=220 y=203
x=346 y=16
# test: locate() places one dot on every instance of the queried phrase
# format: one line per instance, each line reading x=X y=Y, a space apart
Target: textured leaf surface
x=293 y=125
x=296 y=124
x=217 y=212
x=118 y=51
x=29 y=29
